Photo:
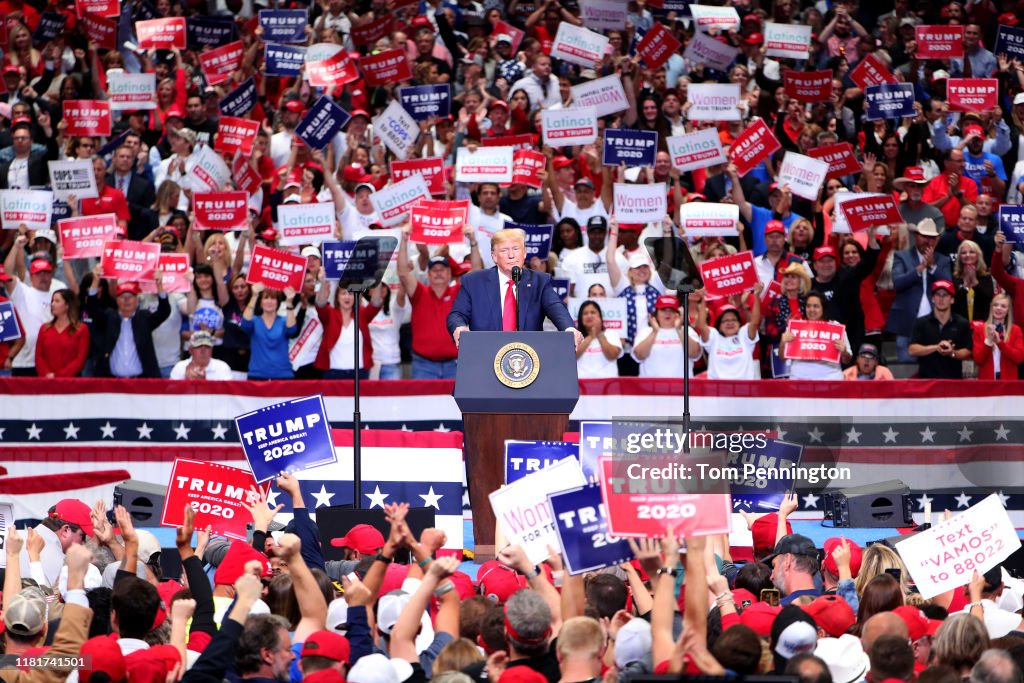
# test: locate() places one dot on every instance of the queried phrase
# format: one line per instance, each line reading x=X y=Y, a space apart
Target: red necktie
x=508 y=313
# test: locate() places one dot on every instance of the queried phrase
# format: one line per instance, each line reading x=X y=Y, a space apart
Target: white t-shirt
x=343 y=350
x=486 y=225
x=571 y=210
x=216 y=370
x=353 y=222
x=586 y=268
x=281 y=147
x=166 y=337
x=998 y=621
x=666 y=357
x=731 y=357
x=384 y=333
x=33 y=308
x=593 y=364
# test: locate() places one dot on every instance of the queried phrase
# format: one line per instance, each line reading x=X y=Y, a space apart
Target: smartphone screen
x=770 y=596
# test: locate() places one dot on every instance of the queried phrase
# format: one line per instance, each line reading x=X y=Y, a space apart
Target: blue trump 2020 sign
x=286 y=437
x=582 y=527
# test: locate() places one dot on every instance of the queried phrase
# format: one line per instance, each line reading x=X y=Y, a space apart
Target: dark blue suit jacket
x=907 y=283
x=479 y=304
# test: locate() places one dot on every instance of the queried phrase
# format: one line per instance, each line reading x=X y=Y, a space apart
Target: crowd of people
x=85 y=582
x=944 y=285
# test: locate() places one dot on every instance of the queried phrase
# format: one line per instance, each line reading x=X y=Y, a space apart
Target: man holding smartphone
x=794 y=564
x=941 y=340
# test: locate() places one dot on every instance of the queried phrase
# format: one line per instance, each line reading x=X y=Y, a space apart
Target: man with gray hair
x=528 y=633
x=996 y=666
x=264 y=648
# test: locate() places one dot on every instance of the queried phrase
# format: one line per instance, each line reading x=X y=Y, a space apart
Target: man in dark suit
x=138 y=192
x=134 y=355
x=487 y=298
x=914 y=271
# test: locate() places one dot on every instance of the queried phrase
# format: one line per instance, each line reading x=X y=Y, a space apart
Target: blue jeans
x=903 y=350
x=391 y=371
x=424 y=368
x=165 y=371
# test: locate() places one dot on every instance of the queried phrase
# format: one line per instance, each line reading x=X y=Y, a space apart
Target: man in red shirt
x=949 y=190
x=110 y=200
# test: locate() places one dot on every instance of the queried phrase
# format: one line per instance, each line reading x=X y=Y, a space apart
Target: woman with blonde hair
x=168 y=195
x=456 y=656
x=959 y=642
x=876 y=559
x=973 y=282
x=998 y=343
x=801 y=239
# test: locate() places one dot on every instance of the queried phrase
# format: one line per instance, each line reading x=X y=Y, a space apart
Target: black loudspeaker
x=144 y=502
x=883 y=505
x=334 y=522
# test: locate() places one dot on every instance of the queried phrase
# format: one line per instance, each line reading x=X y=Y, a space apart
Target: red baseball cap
x=40 y=265
x=268 y=235
x=744 y=598
x=295 y=106
x=631 y=227
x=329 y=644
x=561 y=161
x=233 y=565
x=759 y=617
x=917 y=623
x=421 y=21
x=362 y=538
x=764 y=528
x=174 y=112
x=11 y=69
x=75 y=512
x=944 y=284
x=128 y=288
x=754 y=39
x=105 y=655
x=667 y=301
x=498 y=582
x=974 y=129
x=1008 y=19
x=775 y=226
x=832 y=614
x=498 y=103
x=825 y=252
x=856 y=555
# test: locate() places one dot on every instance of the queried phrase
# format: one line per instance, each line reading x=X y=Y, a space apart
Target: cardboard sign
x=31 y=208
x=305 y=223
x=756 y=143
x=972 y=94
x=504 y=28
x=864 y=213
x=9 y=328
x=241 y=100
x=657 y=45
x=946 y=556
x=871 y=71
x=98 y=8
x=1009 y=41
x=245 y=176
x=814 y=340
x=431 y=170
x=338 y=256
x=322 y=122
x=708 y=17
x=629 y=147
x=522 y=511
x=772 y=291
x=283 y=60
x=438 y=221
x=87 y=117
x=202 y=31
x=809 y=86
x=703 y=49
x=700 y=149
x=424 y=101
x=337 y=69
x=577 y=45
x=235 y=135
x=939 y=42
x=370 y=32
x=1011 y=222
x=286 y=437
x=131 y=91
x=219 y=63
x=596 y=441
x=635 y=509
x=73 y=177
x=605 y=95
x=526 y=167
x=389 y=66
x=763 y=492
x=538 y=239
x=485 y=165
x=706 y=219
x=714 y=102
x=284 y=25
x=394 y=201
x=641 y=203
x=221 y=210
x=613 y=310
x=561 y=287
x=604 y=15
x=206 y=171
x=397 y=129
x=276 y=269
x=728 y=275
x=523 y=141
x=174 y=269
x=582 y=527
x=216 y=492
x=161 y=34
x=840 y=159
x=525 y=457
x=128 y=260
x=889 y=101
x=792 y=41
x=84 y=237
x=102 y=32
x=803 y=174
x=568 y=127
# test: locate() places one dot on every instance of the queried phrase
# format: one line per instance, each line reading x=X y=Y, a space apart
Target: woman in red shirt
x=998 y=343
x=64 y=342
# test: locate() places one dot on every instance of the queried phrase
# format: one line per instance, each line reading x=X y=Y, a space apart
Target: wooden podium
x=509 y=385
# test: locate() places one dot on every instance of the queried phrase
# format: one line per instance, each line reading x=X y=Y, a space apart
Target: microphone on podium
x=517 y=275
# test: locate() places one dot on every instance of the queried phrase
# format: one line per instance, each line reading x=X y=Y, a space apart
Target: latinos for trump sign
x=389 y=66
x=73 y=177
x=305 y=223
x=708 y=17
x=522 y=511
x=577 y=45
x=84 y=237
x=864 y=213
x=283 y=60
x=568 y=127
x=839 y=157
x=161 y=34
x=87 y=117
x=128 y=260
x=276 y=269
x=525 y=457
x=394 y=201
x=582 y=527
x=284 y=25
x=206 y=171
x=707 y=219
x=605 y=95
x=31 y=208
x=629 y=147
x=438 y=221
x=939 y=42
x=870 y=71
x=640 y=203
x=424 y=101
x=787 y=40
x=946 y=556
x=484 y=165
x=657 y=45
x=9 y=328
x=322 y=122
x=755 y=144
x=235 y=135
x=430 y=170
x=714 y=102
x=814 y=340
x=809 y=86
x=131 y=91
x=397 y=129
x=972 y=94
x=728 y=275
x=1011 y=222
x=222 y=210
x=889 y=101
x=613 y=311
x=526 y=167
x=286 y=437
x=696 y=150
x=216 y=492
x=803 y=174
x=538 y=239
x=703 y=49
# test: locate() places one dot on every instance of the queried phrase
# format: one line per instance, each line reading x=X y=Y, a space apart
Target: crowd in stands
x=945 y=285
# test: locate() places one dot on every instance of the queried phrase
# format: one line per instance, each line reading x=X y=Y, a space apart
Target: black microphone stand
x=357 y=290
x=517 y=276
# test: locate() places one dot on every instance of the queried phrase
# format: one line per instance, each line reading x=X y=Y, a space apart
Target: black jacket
x=140 y=197
x=106 y=329
x=38 y=171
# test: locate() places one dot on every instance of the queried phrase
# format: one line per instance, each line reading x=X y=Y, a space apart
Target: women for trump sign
x=640 y=203
x=714 y=102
